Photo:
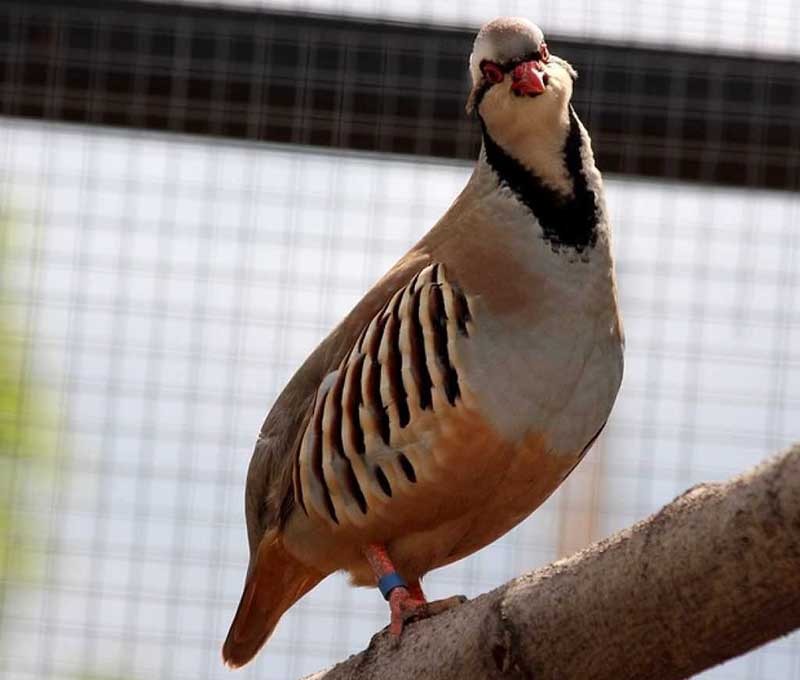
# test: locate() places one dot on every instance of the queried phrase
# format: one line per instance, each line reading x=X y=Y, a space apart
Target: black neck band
x=568 y=221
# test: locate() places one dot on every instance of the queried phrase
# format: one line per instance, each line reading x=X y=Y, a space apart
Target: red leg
x=402 y=603
x=405 y=602
x=378 y=559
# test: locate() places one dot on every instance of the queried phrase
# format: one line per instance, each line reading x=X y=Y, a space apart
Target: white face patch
x=502 y=40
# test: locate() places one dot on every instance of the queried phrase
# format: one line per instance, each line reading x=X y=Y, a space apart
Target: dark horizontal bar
x=383 y=86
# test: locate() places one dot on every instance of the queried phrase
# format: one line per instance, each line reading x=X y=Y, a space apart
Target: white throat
x=559 y=184
x=538 y=144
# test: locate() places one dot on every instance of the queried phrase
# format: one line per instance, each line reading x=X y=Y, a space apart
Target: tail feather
x=274 y=583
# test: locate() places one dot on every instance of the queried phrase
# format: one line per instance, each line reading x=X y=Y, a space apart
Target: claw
x=406 y=609
x=403 y=608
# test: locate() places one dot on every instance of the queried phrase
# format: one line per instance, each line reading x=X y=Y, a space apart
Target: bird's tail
x=275 y=581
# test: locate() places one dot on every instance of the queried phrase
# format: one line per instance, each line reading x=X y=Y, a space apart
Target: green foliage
x=17 y=443
x=26 y=433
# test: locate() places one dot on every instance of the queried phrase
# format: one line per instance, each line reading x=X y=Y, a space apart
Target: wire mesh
x=158 y=291
x=739 y=25
x=378 y=86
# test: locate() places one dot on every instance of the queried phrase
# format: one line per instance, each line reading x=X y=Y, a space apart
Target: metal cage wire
x=163 y=286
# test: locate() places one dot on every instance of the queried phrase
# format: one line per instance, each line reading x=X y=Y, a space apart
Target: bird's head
x=513 y=71
x=520 y=91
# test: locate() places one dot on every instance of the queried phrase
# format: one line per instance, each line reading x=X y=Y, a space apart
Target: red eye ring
x=492 y=72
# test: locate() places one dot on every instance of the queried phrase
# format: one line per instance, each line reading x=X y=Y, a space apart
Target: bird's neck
x=554 y=176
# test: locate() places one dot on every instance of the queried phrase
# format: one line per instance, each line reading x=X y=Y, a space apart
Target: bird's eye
x=544 y=53
x=492 y=72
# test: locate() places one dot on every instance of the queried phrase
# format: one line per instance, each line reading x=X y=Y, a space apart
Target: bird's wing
x=275 y=578
x=394 y=398
x=270 y=496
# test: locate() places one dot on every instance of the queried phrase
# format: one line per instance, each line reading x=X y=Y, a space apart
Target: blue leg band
x=389 y=582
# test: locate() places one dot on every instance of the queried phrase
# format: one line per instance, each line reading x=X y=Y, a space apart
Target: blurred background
x=193 y=194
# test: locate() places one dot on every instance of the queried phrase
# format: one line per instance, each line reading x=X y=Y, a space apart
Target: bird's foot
x=405 y=608
x=406 y=601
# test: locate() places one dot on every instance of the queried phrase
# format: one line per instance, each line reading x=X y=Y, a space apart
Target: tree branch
x=712 y=575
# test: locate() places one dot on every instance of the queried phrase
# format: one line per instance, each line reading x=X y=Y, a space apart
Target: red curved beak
x=528 y=78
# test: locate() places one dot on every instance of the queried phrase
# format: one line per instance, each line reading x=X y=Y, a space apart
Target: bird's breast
x=546 y=352
x=557 y=375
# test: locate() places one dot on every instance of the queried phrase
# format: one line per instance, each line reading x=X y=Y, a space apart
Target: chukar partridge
x=465 y=385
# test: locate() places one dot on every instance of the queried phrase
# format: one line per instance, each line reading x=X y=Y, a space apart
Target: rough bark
x=712 y=575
